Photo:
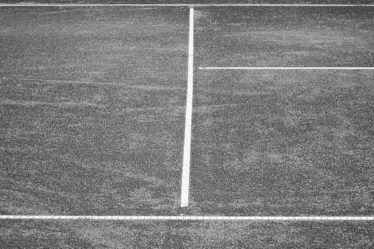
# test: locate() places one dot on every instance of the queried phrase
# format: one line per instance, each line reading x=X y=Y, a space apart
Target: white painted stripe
x=188 y=123
x=205 y=218
x=286 y=68
x=178 y=5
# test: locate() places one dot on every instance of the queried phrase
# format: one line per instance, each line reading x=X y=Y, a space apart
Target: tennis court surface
x=93 y=112
x=92 y=109
x=284 y=141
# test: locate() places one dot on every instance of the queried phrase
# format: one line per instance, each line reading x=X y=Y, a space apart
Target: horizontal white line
x=286 y=68
x=178 y=5
x=181 y=217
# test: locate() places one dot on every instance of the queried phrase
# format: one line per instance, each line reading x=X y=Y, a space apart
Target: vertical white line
x=188 y=122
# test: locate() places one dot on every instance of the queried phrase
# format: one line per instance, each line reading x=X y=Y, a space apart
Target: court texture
x=187 y=126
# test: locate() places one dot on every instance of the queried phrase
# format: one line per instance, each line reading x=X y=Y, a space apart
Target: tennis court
x=93 y=106
x=288 y=141
x=92 y=109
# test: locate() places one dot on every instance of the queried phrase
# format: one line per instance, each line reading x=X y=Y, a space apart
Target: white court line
x=188 y=123
x=286 y=68
x=188 y=218
x=178 y=5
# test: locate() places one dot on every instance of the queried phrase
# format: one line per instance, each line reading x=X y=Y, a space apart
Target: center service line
x=204 y=218
x=188 y=123
x=286 y=68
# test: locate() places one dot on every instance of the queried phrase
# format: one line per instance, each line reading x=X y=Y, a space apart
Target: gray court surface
x=92 y=107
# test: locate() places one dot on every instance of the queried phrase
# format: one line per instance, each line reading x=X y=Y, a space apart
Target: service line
x=189 y=218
